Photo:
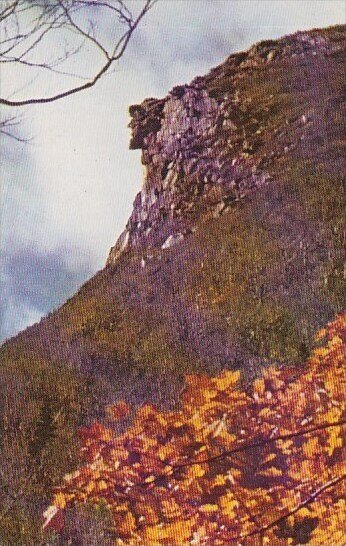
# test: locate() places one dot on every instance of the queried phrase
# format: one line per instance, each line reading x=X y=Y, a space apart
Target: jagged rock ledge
x=200 y=146
x=190 y=169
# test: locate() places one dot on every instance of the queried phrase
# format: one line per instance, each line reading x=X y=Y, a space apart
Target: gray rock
x=229 y=125
x=119 y=247
x=172 y=240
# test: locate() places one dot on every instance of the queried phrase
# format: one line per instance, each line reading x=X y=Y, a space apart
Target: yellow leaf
x=270 y=457
x=227 y=379
x=220 y=479
x=272 y=471
x=310 y=447
x=170 y=509
x=266 y=412
x=198 y=471
x=60 y=501
x=126 y=525
x=181 y=530
x=90 y=487
x=101 y=485
x=209 y=508
x=228 y=505
x=259 y=386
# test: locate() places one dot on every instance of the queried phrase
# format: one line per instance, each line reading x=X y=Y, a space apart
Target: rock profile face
x=198 y=145
x=187 y=142
x=233 y=257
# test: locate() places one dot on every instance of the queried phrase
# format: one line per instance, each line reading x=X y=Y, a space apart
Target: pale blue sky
x=68 y=194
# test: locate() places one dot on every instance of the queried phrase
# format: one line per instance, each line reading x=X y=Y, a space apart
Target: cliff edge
x=209 y=144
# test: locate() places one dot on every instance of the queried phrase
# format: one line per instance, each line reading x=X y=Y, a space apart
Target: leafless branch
x=88 y=35
x=239 y=449
x=8 y=128
x=262 y=443
x=42 y=18
x=309 y=500
x=8 y=10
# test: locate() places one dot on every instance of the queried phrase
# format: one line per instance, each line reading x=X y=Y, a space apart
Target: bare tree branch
x=8 y=10
x=59 y=15
x=8 y=128
x=309 y=500
x=239 y=449
x=262 y=443
x=84 y=33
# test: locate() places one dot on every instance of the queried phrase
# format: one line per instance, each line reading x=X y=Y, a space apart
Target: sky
x=67 y=194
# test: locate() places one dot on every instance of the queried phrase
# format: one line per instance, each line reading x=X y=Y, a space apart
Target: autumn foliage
x=232 y=466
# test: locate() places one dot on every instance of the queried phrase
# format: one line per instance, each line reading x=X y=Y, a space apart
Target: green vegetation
x=43 y=405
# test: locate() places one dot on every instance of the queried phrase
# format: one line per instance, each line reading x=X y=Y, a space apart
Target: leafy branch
x=159 y=484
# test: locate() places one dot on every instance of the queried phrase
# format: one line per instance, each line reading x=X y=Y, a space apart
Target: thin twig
x=118 y=51
x=309 y=500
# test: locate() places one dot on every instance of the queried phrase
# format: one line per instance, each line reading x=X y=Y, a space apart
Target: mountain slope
x=233 y=257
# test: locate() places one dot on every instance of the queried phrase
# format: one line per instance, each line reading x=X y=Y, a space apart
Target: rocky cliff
x=205 y=146
x=233 y=257
x=187 y=141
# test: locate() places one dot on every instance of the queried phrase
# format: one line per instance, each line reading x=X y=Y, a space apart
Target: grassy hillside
x=250 y=286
